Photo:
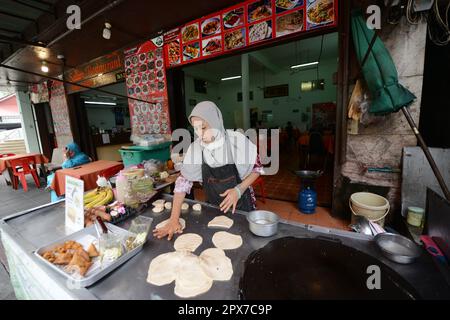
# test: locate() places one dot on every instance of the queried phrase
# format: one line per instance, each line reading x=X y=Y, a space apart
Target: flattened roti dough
x=226 y=241
x=191 y=280
x=163 y=223
x=188 y=242
x=164 y=268
x=216 y=264
x=222 y=222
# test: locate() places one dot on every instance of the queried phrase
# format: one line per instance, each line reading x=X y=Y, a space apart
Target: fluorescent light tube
x=305 y=65
x=103 y=103
x=231 y=78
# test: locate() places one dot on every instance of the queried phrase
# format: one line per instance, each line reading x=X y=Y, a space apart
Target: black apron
x=218 y=180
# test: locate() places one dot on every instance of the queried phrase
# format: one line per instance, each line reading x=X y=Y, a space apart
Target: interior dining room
x=293 y=88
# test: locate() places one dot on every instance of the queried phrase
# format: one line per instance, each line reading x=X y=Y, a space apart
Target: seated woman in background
x=73 y=157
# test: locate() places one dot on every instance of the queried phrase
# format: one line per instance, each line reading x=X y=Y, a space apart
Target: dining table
x=39 y=159
x=88 y=172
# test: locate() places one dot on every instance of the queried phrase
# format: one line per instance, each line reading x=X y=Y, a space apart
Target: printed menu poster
x=146 y=81
x=320 y=13
x=74 y=204
x=243 y=25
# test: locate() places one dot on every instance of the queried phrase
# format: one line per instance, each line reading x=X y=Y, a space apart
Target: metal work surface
x=417 y=176
x=45 y=225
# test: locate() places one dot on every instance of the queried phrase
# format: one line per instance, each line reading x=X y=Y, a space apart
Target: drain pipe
x=95 y=14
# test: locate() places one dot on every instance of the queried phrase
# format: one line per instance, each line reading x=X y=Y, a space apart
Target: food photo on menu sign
x=289 y=23
x=233 y=18
x=212 y=46
x=191 y=51
x=259 y=10
x=190 y=32
x=211 y=26
x=260 y=31
x=234 y=39
x=319 y=13
x=284 y=5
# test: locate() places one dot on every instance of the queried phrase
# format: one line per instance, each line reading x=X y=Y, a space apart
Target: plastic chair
x=22 y=167
x=260 y=182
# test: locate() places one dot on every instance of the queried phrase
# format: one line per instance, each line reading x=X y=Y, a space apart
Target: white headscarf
x=243 y=151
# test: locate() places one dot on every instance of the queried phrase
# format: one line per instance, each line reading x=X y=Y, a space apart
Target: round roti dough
x=216 y=264
x=185 y=207
x=163 y=223
x=226 y=241
x=197 y=207
x=158 y=209
x=191 y=280
x=168 y=205
x=159 y=203
x=188 y=242
x=221 y=222
x=164 y=268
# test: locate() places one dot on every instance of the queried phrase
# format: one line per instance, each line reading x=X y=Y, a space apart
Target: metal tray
x=96 y=271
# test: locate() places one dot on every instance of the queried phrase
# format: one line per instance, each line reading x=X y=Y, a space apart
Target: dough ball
x=197 y=207
x=158 y=209
x=222 y=222
x=163 y=223
x=185 y=207
x=216 y=264
x=188 y=242
x=226 y=241
x=159 y=203
x=168 y=205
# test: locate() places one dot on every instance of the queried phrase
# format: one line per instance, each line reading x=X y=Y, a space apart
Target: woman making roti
x=226 y=163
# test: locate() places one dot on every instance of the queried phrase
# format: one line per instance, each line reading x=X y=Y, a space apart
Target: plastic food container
x=415 y=216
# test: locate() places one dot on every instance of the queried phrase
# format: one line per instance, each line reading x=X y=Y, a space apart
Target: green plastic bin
x=134 y=155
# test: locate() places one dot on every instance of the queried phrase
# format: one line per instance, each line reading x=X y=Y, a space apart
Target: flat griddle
x=317 y=269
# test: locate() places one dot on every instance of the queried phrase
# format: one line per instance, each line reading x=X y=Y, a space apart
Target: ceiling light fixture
x=305 y=65
x=107 y=31
x=101 y=103
x=44 y=67
x=231 y=78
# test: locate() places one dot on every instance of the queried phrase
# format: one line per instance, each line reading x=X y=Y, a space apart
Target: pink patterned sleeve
x=258 y=168
x=183 y=185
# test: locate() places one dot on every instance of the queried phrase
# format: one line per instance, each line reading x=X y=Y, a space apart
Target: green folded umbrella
x=379 y=70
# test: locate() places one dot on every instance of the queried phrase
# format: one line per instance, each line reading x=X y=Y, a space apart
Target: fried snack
x=72 y=245
x=79 y=264
x=92 y=251
x=83 y=254
x=63 y=258
x=49 y=256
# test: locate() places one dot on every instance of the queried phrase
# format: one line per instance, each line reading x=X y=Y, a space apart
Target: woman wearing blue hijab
x=73 y=157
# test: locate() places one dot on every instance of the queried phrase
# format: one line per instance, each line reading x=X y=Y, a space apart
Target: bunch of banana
x=98 y=197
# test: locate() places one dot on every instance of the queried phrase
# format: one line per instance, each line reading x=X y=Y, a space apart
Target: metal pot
x=397 y=248
x=263 y=223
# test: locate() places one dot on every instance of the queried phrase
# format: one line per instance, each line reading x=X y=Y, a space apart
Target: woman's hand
x=168 y=230
x=231 y=200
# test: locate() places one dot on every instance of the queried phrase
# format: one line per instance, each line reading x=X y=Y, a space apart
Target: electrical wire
x=411 y=16
x=438 y=27
x=320 y=56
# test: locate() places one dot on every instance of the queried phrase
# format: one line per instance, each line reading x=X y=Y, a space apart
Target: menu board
x=244 y=25
x=146 y=80
x=60 y=113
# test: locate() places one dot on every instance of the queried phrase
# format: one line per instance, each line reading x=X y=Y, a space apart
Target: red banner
x=244 y=25
x=146 y=80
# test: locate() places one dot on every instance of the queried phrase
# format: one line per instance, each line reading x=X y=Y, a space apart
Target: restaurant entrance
x=291 y=87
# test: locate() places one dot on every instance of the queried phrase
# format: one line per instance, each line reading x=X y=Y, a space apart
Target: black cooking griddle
x=316 y=269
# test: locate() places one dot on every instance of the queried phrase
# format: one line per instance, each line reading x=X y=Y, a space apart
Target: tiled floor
x=285 y=185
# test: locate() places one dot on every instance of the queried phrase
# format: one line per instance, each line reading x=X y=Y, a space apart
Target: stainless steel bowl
x=263 y=223
x=397 y=248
